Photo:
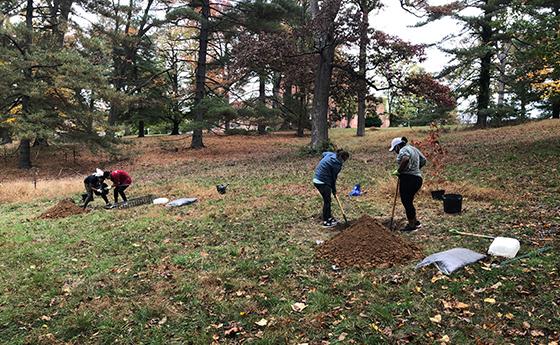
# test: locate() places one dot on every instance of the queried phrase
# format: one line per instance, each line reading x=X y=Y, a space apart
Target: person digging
x=409 y=160
x=121 y=181
x=324 y=180
x=94 y=184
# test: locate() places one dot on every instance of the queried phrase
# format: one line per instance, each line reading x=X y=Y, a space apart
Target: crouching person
x=324 y=180
x=94 y=185
x=121 y=181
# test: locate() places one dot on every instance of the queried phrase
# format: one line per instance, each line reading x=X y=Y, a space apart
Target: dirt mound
x=367 y=244
x=64 y=208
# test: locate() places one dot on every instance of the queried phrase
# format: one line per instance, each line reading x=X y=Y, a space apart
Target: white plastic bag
x=451 y=260
x=160 y=201
x=504 y=246
x=181 y=202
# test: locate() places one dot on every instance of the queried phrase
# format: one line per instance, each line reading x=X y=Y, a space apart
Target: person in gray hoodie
x=324 y=180
x=409 y=160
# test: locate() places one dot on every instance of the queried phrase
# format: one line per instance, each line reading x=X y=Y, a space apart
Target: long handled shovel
x=394 y=204
x=341 y=209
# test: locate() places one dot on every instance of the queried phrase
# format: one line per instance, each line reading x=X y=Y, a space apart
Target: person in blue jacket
x=324 y=180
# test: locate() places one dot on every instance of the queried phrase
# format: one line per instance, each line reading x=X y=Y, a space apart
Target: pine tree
x=485 y=31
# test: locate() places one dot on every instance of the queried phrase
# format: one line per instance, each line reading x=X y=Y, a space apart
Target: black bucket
x=438 y=194
x=452 y=203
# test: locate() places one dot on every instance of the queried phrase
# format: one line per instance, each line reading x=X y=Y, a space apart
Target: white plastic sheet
x=181 y=202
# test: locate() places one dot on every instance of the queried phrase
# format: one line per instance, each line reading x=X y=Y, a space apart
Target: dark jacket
x=327 y=170
x=93 y=182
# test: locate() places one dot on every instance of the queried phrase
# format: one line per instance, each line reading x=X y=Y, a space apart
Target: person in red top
x=121 y=180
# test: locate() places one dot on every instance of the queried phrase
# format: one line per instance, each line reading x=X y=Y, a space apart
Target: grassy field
x=230 y=268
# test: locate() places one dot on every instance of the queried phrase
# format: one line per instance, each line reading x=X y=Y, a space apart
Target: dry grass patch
x=26 y=191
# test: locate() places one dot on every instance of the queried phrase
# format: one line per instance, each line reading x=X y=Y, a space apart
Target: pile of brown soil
x=368 y=244
x=64 y=208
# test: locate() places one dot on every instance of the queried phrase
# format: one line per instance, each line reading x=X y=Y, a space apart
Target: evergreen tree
x=474 y=64
x=49 y=88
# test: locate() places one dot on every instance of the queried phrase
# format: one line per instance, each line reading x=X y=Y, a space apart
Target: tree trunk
x=502 y=57
x=5 y=136
x=302 y=112
x=175 y=129
x=325 y=42
x=556 y=109
x=25 y=154
x=262 y=100
x=113 y=115
x=25 y=143
x=277 y=83
x=41 y=142
x=141 y=130
x=483 y=99
x=362 y=63
x=200 y=90
x=320 y=105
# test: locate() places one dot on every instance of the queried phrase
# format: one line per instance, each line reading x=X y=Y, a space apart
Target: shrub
x=373 y=121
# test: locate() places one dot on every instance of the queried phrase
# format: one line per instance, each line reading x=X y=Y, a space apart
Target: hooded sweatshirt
x=327 y=170
x=121 y=178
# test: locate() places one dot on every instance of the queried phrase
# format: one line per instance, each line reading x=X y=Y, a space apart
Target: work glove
x=395 y=173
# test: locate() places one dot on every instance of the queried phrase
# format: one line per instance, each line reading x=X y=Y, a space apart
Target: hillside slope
x=212 y=271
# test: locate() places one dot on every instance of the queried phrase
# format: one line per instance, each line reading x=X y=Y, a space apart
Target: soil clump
x=63 y=209
x=368 y=244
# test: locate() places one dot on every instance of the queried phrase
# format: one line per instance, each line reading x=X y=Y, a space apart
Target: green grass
x=151 y=275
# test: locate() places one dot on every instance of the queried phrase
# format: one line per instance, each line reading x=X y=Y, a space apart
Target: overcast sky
x=393 y=20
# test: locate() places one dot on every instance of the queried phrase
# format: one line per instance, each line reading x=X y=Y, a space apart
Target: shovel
x=470 y=234
x=394 y=205
x=341 y=209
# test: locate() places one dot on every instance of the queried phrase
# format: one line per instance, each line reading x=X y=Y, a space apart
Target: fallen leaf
x=445 y=339
x=461 y=305
x=436 y=319
x=490 y=300
x=495 y=286
x=162 y=321
x=526 y=325
x=437 y=277
x=45 y=318
x=536 y=333
x=509 y=316
x=375 y=327
x=298 y=306
x=232 y=330
x=342 y=336
x=262 y=322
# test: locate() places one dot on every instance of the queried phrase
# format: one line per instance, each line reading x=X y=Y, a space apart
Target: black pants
x=120 y=190
x=88 y=197
x=325 y=191
x=409 y=186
